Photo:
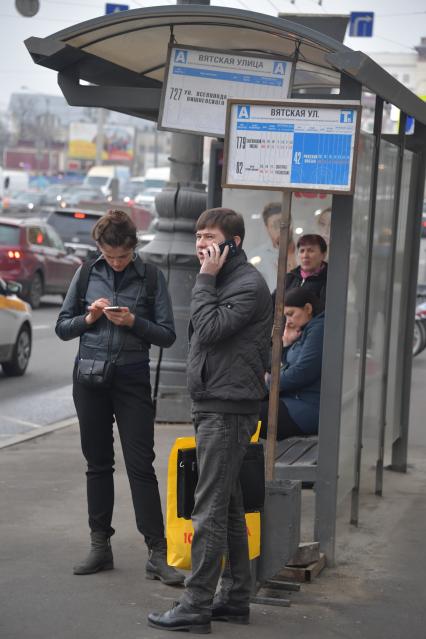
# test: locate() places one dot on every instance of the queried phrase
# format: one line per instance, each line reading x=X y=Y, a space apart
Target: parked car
x=33 y=254
x=15 y=330
x=419 y=336
x=75 y=229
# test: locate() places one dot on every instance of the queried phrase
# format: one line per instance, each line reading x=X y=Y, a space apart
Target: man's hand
x=213 y=260
x=96 y=310
x=123 y=317
x=290 y=336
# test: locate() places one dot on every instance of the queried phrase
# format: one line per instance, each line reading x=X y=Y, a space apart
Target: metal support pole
x=388 y=309
x=100 y=136
x=377 y=132
x=277 y=332
x=333 y=360
x=173 y=250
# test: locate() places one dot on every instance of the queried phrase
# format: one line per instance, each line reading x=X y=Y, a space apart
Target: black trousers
x=286 y=426
x=129 y=402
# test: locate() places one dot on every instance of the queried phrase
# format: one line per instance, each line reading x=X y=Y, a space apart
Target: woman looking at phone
x=300 y=376
x=125 y=308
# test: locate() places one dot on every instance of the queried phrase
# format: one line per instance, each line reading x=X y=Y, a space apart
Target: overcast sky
x=398 y=26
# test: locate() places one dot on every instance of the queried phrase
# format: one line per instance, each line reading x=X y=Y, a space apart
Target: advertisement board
x=291 y=145
x=198 y=82
x=117 y=141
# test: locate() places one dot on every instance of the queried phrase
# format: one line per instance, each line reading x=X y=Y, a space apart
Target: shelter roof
x=129 y=49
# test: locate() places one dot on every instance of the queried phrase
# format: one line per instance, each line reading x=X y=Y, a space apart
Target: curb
x=38 y=432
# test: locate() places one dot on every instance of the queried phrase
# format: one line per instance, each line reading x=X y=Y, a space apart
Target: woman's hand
x=123 y=317
x=290 y=335
x=96 y=310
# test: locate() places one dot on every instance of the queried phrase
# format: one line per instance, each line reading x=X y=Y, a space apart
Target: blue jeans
x=218 y=516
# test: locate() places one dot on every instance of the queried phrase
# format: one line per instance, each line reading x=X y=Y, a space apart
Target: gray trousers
x=218 y=516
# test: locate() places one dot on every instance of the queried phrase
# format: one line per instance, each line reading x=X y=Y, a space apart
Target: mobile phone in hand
x=113 y=308
x=233 y=248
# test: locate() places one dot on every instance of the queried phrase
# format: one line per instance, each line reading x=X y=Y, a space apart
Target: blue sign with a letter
x=243 y=112
x=115 y=8
x=361 y=24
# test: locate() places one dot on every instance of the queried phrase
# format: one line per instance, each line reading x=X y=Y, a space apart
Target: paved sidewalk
x=376 y=590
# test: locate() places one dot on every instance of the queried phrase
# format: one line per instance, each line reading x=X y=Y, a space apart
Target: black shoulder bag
x=99 y=373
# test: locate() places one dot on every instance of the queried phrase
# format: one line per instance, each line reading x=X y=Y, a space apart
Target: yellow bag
x=179 y=531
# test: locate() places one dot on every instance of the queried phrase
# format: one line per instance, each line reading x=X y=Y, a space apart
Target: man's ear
x=237 y=240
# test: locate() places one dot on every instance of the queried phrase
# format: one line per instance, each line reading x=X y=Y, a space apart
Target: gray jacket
x=103 y=340
x=230 y=336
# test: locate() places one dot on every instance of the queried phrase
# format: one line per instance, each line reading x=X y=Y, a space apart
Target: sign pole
x=277 y=332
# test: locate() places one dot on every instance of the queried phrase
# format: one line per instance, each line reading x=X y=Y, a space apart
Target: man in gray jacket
x=230 y=332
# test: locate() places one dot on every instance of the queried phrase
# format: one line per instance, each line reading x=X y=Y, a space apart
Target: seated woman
x=300 y=377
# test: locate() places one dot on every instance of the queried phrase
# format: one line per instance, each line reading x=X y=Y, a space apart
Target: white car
x=15 y=330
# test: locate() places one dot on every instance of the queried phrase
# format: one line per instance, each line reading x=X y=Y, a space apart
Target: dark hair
x=115 y=228
x=273 y=208
x=300 y=296
x=227 y=220
x=312 y=239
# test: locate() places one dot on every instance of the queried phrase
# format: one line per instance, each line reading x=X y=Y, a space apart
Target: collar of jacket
x=232 y=264
x=322 y=274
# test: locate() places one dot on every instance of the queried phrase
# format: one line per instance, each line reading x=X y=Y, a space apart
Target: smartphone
x=113 y=308
x=233 y=248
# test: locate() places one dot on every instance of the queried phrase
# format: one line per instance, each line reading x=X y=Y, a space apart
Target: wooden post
x=277 y=333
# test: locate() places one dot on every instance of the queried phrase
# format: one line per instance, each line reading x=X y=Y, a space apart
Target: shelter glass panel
x=354 y=315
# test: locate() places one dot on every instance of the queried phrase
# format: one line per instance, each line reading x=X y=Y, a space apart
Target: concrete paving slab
x=375 y=590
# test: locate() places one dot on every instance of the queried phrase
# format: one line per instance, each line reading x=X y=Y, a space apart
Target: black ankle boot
x=158 y=568
x=100 y=555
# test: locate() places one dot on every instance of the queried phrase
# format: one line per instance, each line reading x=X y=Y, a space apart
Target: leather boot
x=222 y=611
x=158 y=568
x=180 y=618
x=99 y=557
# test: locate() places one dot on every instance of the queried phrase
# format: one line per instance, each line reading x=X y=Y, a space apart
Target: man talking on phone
x=230 y=331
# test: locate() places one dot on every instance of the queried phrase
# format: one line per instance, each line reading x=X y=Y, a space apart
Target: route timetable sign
x=198 y=83
x=291 y=145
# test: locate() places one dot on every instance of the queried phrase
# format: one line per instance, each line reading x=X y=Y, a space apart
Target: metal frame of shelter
x=123 y=56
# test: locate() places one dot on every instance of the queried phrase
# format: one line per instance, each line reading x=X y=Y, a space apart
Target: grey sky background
x=399 y=25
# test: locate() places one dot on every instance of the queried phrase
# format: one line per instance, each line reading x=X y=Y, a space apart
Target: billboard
x=118 y=141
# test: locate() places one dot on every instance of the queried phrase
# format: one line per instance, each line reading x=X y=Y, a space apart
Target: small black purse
x=99 y=373
x=252 y=479
x=95 y=373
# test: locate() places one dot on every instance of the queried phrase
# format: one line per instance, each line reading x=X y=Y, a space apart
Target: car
x=76 y=194
x=129 y=191
x=51 y=195
x=146 y=199
x=22 y=202
x=75 y=229
x=33 y=254
x=15 y=330
x=422 y=256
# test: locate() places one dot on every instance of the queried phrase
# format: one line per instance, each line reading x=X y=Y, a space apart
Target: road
x=43 y=395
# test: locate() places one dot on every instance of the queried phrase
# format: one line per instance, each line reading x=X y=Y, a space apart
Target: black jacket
x=230 y=334
x=316 y=283
x=102 y=340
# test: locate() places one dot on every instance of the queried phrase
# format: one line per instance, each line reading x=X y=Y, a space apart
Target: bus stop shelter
x=118 y=62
